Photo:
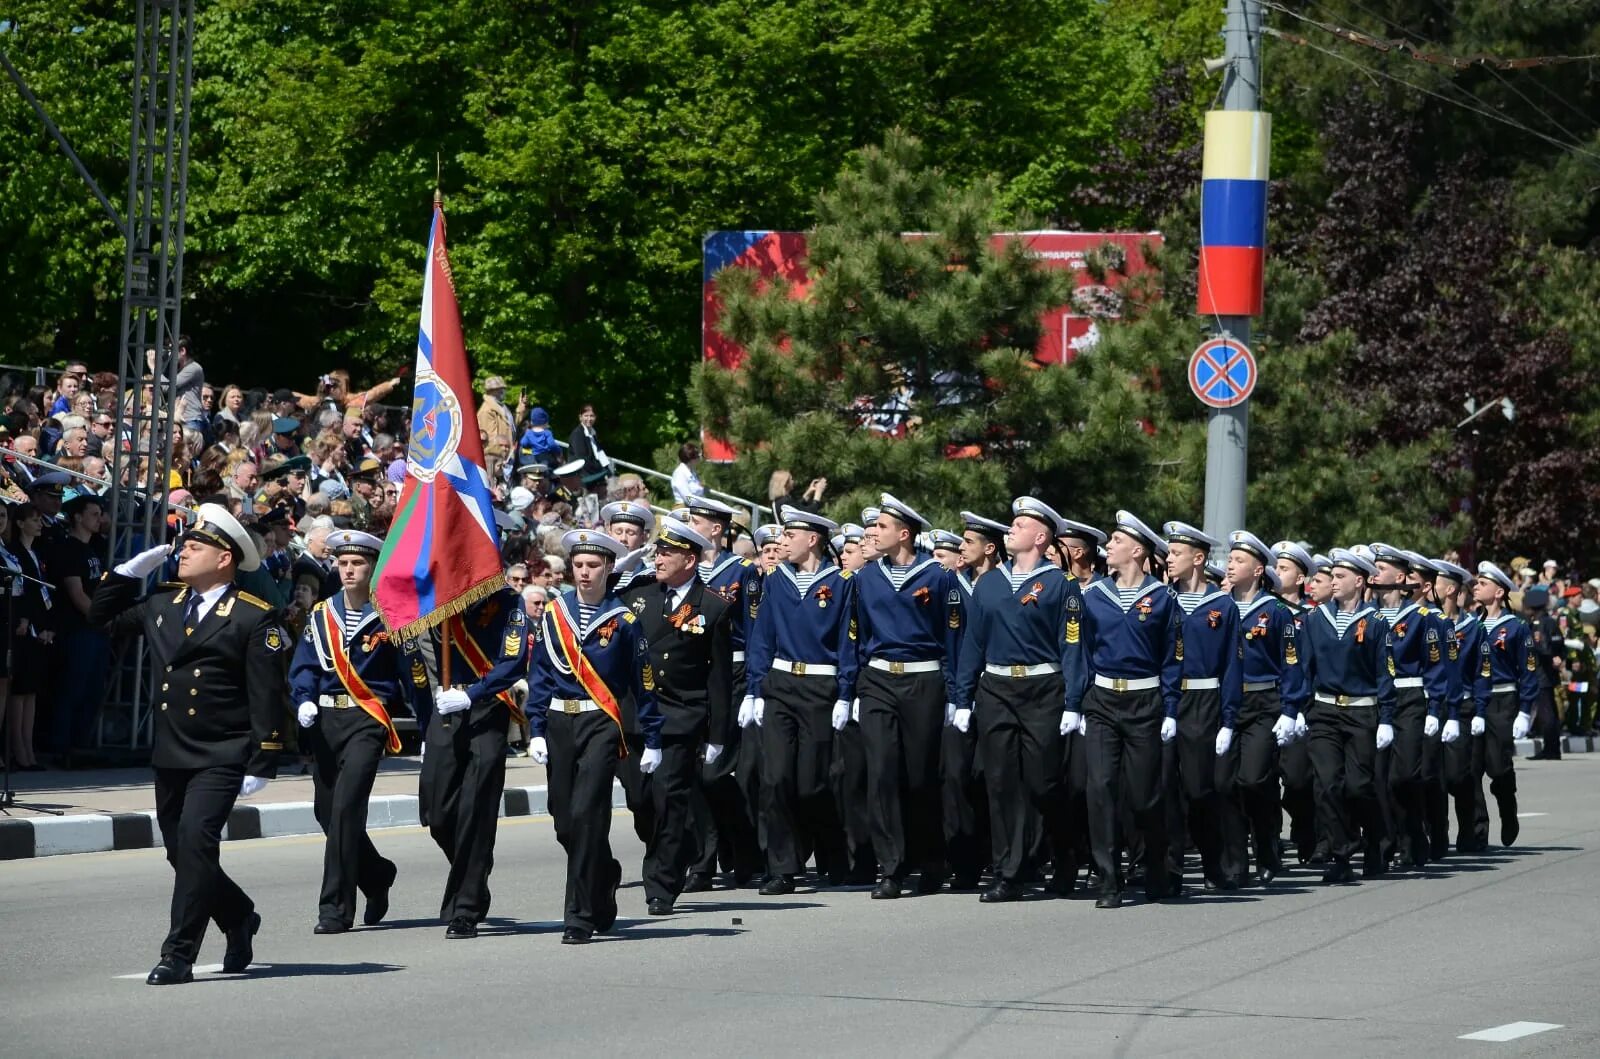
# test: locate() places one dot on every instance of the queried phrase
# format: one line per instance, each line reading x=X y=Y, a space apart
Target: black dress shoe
x=171 y=971
x=576 y=936
x=659 y=906
x=377 y=907
x=888 y=889
x=1338 y=872
x=1510 y=828
x=330 y=926
x=1109 y=899
x=241 y=949
x=1265 y=876
x=1063 y=882
x=965 y=881
x=697 y=883
x=1001 y=892
x=461 y=927
x=1320 y=854
x=778 y=884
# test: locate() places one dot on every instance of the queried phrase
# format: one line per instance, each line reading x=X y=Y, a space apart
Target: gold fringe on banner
x=441 y=613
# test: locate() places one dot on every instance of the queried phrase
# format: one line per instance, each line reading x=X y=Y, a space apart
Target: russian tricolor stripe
x=1233 y=212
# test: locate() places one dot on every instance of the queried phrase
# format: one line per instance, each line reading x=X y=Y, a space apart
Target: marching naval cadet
x=1507 y=660
x=1274 y=693
x=1082 y=543
x=218 y=725
x=869 y=535
x=1020 y=672
x=593 y=656
x=945 y=548
x=464 y=759
x=800 y=679
x=769 y=546
x=1463 y=758
x=1211 y=690
x=849 y=773
x=1129 y=634
x=847 y=545
x=908 y=617
x=631 y=524
x=689 y=630
x=1350 y=668
x=347 y=675
x=1304 y=586
x=1435 y=800
x=983 y=547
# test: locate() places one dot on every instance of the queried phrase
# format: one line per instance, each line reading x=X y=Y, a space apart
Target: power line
x=1454 y=62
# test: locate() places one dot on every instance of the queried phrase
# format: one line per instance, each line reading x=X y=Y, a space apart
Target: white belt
x=573 y=706
x=805 y=669
x=1200 y=683
x=1260 y=685
x=738 y=656
x=1129 y=683
x=336 y=702
x=1021 y=671
x=1408 y=682
x=1342 y=701
x=1501 y=689
x=932 y=665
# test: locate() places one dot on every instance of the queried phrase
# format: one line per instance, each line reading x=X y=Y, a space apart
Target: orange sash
x=479 y=662
x=358 y=689
x=587 y=676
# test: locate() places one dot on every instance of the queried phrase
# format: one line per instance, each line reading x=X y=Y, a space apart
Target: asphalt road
x=1400 y=965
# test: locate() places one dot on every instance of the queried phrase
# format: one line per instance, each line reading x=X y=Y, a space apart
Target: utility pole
x=1228 y=429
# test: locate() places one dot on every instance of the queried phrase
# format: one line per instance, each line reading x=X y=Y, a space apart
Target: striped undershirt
x=1189 y=600
x=1127 y=597
x=586 y=612
x=352 y=622
x=898 y=575
x=1343 y=621
x=803 y=580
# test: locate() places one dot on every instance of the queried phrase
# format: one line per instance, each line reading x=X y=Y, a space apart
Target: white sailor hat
x=569 y=468
x=1273 y=580
x=593 y=542
x=1420 y=564
x=1388 y=553
x=707 y=507
x=1497 y=575
x=1183 y=533
x=943 y=540
x=1459 y=574
x=628 y=511
x=1134 y=526
x=1351 y=559
x=1081 y=531
x=680 y=513
x=849 y=533
x=988 y=527
x=354 y=542
x=767 y=533
x=1296 y=554
x=1362 y=550
x=674 y=534
x=216 y=527
x=521 y=499
x=869 y=515
x=1245 y=541
x=634 y=560
x=801 y=519
x=1035 y=508
x=1321 y=564
x=902 y=511
x=1215 y=573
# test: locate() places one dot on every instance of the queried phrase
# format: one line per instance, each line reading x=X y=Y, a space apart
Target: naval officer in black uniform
x=219 y=720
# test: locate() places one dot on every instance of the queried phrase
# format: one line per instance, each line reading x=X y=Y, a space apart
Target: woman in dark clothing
x=31 y=631
x=584 y=445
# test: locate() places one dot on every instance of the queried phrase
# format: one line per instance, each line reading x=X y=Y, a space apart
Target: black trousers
x=192 y=805
x=1344 y=752
x=848 y=778
x=660 y=804
x=346 y=746
x=963 y=805
x=1407 y=775
x=1547 y=722
x=1189 y=767
x=1463 y=780
x=584 y=754
x=1019 y=733
x=1247 y=784
x=1500 y=752
x=1125 y=770
x=902 y=724
x=725 y=803
x=1069 y=843
x=797 y=749
x=463 y=777
x=1299 y=801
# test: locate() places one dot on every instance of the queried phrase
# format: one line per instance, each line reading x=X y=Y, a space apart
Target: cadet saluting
x=1507 y=660
x=217 y=725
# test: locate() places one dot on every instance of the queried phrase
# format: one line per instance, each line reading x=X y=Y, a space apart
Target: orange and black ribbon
x=479 y=662
x=353 y=684
x=588 y=677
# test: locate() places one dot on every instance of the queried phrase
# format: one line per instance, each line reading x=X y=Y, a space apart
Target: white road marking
x=1523 y=816
x=1510 y=1031
x=199 y=969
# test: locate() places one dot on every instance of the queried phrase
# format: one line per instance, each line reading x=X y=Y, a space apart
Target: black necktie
x=191 y=614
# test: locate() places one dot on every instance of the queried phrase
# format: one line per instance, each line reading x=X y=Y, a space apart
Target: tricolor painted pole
x=1235 y=156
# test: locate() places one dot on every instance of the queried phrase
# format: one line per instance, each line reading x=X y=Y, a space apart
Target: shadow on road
x=304 y=970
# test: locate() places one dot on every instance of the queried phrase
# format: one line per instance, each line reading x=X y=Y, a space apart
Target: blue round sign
x=1222 y=372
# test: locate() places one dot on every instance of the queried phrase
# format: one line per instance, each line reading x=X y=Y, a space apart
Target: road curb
x=52 y=836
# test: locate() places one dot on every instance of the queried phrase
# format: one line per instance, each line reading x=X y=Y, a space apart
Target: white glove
x=251 y=785
x=1300 y=726
x=539 y=750
x=1385 y=735
x=962 y=720
x=710 y=752
x=650 y=760
x=1430 y=727
x=146 y=562
x=1069 y=721
x=306 y=714
x=1520 y=726
x=747 y=711
x=841 y=714
x=1478 y=726
x=1224 y=740
x=451 y=700
x=855 y=710
x=1169 y=729
x=1283 y=730
x=1452 y=732
x=949 y=714
x=761 y=711
x=1083 y=724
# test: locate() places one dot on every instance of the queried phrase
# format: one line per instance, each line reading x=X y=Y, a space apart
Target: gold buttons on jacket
x=194 y=691
x=197 y=671
x=191 y=711
x=164 y=687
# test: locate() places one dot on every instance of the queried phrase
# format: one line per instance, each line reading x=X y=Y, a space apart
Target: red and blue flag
x=442 y=553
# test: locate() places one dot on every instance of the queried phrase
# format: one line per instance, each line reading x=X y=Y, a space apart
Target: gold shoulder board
x=256 y=601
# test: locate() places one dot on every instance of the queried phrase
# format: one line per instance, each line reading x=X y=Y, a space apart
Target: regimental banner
x=1233 y=212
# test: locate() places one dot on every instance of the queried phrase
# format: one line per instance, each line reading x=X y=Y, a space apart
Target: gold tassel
x=441 y=614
